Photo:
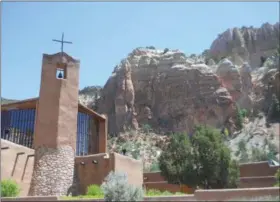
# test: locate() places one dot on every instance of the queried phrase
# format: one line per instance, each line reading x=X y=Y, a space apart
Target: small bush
x=81 y=197
x=274 y=109
x=146 y=128
x=9 y=188
x=165 y=50
x=116 y=188
x=155 y=167
x=239 y=118
x=94 y=190
x=155 y=192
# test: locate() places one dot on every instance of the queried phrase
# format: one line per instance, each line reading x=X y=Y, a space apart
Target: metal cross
x=62 y=42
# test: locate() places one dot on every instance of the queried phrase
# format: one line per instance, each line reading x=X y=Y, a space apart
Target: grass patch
x=81 y=197
x=154 y=192
x=98 y=195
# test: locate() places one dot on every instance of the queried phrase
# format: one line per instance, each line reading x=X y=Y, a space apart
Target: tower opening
x=60 y=73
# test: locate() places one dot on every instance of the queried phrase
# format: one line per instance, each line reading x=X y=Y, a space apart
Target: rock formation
x=165 y=91
x=246 y=44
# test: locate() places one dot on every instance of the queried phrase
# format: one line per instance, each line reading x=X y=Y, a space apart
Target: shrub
x=243 y=113
x=202 y=160
x=9 y=188
x=154 y=167
x=239 y=118
x=274 y=109
x=146 y=128
x=242 y=151
x=94 y=190
x=155 y=192
x=116 y=188
x=165 y=50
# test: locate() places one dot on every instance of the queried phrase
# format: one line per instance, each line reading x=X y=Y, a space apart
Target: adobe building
x=68 y=140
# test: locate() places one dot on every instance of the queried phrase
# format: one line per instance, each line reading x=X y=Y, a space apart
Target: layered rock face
x=165 y=91
x=246 y=44
x=237 y=81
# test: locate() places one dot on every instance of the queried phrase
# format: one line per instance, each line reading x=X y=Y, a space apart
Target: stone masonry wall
x=53 y=171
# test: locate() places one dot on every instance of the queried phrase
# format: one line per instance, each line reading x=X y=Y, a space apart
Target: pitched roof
x=31 y=103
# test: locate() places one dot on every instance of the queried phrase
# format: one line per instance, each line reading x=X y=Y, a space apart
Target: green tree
x=200 y=160
x=176 y=159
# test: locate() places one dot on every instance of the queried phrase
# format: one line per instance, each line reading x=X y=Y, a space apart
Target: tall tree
x=199 y=160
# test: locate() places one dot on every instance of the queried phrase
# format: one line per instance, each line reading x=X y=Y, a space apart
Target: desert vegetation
x=9 y=188
x=201 y=160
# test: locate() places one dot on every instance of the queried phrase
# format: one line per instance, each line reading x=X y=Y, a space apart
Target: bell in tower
x=60 y=75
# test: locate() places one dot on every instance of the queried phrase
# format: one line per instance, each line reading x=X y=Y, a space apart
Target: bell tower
x=56 y=126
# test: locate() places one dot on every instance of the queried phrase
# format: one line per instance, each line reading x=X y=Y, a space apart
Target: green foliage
x=257 y=154
x=277 y=176
x=94 y=190
x=201 y=160
x=242 y=145
x=233 y=174
x=274 y=110
x=81 y=197
x=154 y=167
x=240 y=114
x=9 y=188
x=146 y=128
x=155 y=192
x=131 y=147
x=242 y=151
x=243 y=113
x=176 y=159
x=165 y=50
x=116 y=188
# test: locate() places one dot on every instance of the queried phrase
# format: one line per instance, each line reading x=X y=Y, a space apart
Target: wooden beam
x=86 y=110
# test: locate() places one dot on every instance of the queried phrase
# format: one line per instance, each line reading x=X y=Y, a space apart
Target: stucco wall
x=259 y=174
x=252 y=175
x=155 y=180
x=257 y=169
x=93 y=169
x=133 y=168
x=90 y=173
x=16 y=165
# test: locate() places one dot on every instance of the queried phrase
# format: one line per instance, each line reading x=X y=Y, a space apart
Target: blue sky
x=104 y=33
